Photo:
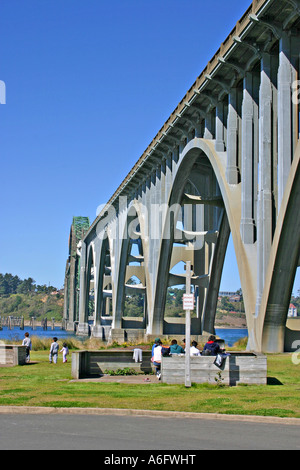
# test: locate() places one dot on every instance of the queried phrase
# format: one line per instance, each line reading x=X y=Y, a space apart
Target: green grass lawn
x=44 y=384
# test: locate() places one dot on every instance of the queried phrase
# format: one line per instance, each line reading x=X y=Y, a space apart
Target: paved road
x=125 y=433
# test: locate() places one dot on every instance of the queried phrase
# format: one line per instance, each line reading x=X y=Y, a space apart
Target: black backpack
x=165 y=352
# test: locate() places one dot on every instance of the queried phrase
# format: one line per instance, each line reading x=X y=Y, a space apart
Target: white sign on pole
x=188 y=302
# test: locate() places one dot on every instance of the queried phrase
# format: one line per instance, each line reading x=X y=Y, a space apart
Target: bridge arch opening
x=199 y=233
x=292 y=331
x=104 y=291
x=131 y=302
x=90 y=292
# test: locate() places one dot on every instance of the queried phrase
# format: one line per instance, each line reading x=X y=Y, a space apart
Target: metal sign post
x=188 y=305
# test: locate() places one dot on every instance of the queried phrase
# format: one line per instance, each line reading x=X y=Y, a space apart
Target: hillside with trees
x=23 y=297
x=229 y=314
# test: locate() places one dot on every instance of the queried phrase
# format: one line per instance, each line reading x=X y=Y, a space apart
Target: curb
x=34 y=410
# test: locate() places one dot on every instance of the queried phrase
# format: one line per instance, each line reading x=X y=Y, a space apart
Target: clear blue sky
x=89 y=84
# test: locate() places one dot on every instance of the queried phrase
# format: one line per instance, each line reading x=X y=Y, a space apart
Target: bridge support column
x=274 y=331
x=72 y=294
x=264 y=213
x=156 y=329
x=248 y=153
x=66 y=297
x=208 y=132
x=220 y=128
x=284 y=114
x=83 y=327
x=97 y=331
x=232 y=173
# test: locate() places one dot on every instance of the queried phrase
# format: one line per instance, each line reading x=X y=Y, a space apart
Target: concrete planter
x=94 y=363
x=246 y=368
x=12 y=355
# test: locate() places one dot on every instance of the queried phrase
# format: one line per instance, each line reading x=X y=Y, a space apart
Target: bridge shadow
x=234 y=371
x=234 y=374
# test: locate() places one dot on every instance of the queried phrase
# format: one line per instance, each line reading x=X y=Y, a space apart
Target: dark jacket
x=213 y=347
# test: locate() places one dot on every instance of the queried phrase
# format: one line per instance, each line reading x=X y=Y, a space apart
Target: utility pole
x=187 y=309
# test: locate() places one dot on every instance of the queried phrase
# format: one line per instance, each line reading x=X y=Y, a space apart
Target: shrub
x=241 y=344
x=125 y=371
x=43 y=344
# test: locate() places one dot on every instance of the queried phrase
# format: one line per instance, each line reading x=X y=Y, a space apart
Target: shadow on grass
x=29 y=364
x=273 y=381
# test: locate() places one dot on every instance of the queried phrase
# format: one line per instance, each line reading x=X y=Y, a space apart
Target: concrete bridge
x=226 y=161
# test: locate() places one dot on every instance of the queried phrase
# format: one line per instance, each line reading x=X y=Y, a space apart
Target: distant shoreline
x=27 y=324
x=230 y=327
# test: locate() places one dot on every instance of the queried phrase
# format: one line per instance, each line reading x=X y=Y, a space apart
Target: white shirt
x=194 y=351
x=27 y=343
x=157 y=354
x=65 y=350
x=54 y=348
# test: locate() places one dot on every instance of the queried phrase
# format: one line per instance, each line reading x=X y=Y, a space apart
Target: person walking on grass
x=157 y=353
x=65 y=351
x=54 y=351
x=28 y=344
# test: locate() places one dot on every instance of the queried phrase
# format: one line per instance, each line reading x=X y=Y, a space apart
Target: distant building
x=57 y=292
x=226 y=294
x=232 y=296
x=293 y=312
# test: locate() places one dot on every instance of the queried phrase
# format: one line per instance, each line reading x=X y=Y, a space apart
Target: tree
x=9 y=284
x=27 y=286
x=240 y=293
x=41 y=288
x=3 y=285
x=178 y=297
x=225 y=304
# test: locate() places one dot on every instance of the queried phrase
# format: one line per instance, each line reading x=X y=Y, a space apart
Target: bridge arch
x=103 y=286
x=132 y=265
x=202 y=151
x=90 y=282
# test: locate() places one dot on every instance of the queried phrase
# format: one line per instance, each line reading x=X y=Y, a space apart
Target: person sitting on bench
x=212 y=348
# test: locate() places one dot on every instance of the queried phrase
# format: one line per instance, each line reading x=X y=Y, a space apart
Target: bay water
x=229 y=335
